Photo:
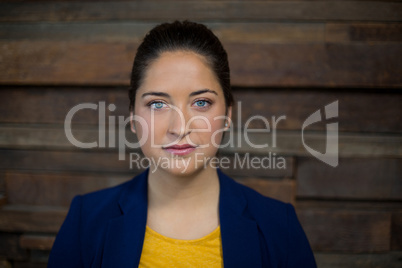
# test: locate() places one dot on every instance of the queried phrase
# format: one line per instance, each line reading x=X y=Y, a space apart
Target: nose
x=178 y=126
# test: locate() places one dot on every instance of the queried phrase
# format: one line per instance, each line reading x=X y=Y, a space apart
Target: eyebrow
x=163 y=94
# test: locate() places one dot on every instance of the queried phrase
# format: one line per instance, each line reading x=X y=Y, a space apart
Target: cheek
x=214 y=127
x=217 y=127
x=142 y=126
x=151 y=128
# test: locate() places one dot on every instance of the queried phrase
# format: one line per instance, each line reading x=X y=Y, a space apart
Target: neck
x=191 y=190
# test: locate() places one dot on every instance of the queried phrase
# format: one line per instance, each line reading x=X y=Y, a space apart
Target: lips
x=180 y=149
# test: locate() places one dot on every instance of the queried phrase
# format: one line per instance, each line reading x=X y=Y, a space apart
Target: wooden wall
x=287 y=58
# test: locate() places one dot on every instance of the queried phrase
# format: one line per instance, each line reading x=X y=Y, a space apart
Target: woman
x=182 y=211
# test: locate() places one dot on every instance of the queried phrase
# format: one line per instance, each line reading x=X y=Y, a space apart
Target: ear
x=132 y=126
x=228 y=120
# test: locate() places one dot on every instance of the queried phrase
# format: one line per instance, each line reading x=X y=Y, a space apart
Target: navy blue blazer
x=106 y=229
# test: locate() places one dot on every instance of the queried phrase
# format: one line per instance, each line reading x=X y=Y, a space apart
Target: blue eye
x=157 y=105
x=201 y=103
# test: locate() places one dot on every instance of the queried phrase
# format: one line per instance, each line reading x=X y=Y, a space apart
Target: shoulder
x=258 y=199
x=265 y=209
x=111 y=202
x=279 y=227
x=255 y=201
x=271 y=215
x=101 y=199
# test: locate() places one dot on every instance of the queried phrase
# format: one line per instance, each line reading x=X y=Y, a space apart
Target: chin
x=180 y=167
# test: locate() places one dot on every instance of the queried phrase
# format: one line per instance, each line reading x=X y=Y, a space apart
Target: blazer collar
x=239 y=232
x=125 y=234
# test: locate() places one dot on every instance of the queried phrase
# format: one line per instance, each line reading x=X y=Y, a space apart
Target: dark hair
x=185 y=36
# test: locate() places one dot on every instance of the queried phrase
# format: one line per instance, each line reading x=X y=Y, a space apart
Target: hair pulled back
x=181 y=36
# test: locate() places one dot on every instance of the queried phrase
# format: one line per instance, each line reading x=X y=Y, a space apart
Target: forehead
x=179 y=71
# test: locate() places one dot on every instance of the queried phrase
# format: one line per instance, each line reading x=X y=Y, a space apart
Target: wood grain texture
x=19 y=264
x=261 y=165
x=53 y=189
x=52 y=104
x=9 y=246
x=335 y=260
x=228 y=32
x=211 y=10
x=396 y=243
x=347 y=231
x=391 y=207
x=40 y=242
x=5 y=263
x=287 y=58
x=108 y=162
x=363 y=32
x=134 y=31
x=351 y=231
x=358 y=111
x=283 y=189
x=53 y=137
x=31 y=219
x=315 y=65
x=76 y=63
x=85 y=161
x=354 y=178
x=253 y=65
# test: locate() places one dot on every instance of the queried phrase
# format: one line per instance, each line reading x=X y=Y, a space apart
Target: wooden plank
x=290 y=143
x=256 y=165
x=358 y=111
x=391 y=207
x=2 y=185
x=363 y=32
x=39 y=256
x=252 y=65
x=344 y=260
x=5 y=264
x=351 y=231
x=48 y=137
x=396 y=242
x=315 y=65
x=353 y=178
x=81 y=161
x=44 y=189
x=53 y=137
x=134 y=32
x=101 y=161
x=283 y=189
x=268 y=32
x=81 y=65
x=39 y=242
x=3 y=199
x=52 y=104
x=211 y=10
x=10 y=248
x=53 y=189
x=18 y=264
x=347 y=231
x=31 y=219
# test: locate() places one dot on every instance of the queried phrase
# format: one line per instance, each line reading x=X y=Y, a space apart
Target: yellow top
x=161 y=251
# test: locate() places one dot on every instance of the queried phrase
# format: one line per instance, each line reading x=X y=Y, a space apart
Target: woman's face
x=182 y=111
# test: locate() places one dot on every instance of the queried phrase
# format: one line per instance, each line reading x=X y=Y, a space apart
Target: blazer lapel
x=125 y=234
x=240 y=237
